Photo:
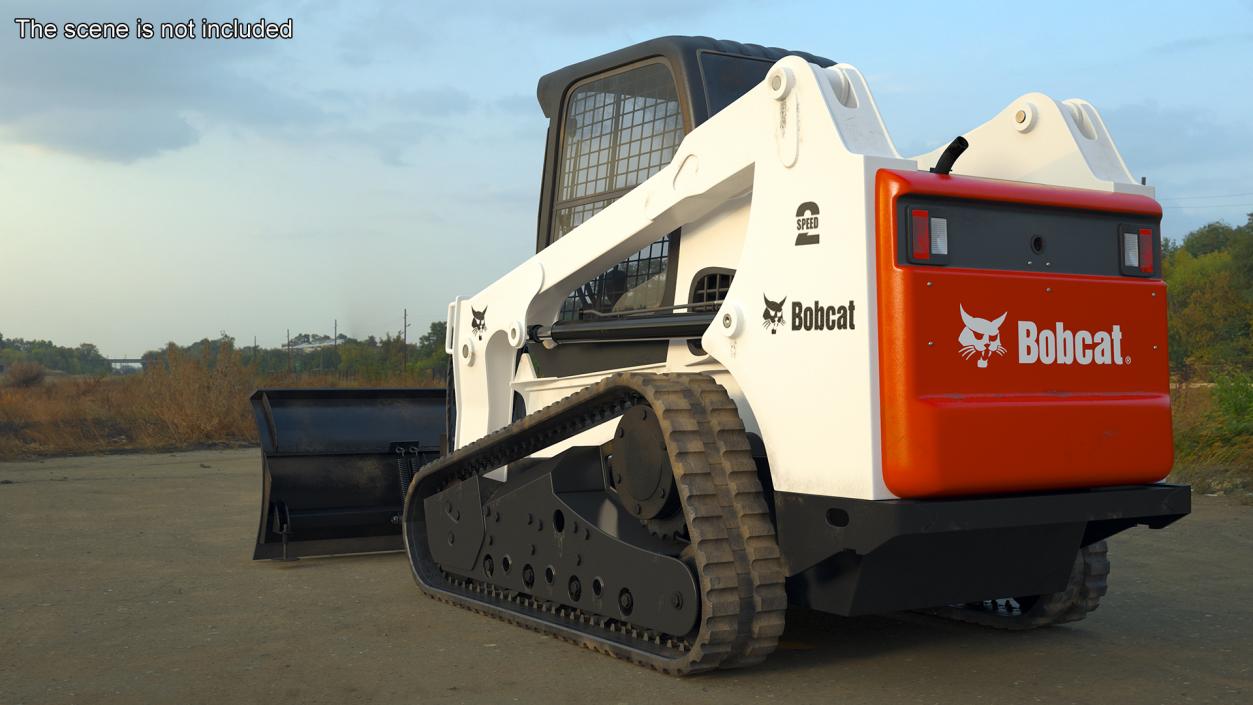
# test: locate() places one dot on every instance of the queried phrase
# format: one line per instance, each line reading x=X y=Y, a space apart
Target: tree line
x=1209 y=278
x=309 y=353
x=82 y=360
x=314 y=353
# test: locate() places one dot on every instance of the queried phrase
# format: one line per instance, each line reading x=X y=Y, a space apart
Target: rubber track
x=724 y=636
x=744 y=500
x=1088 y=583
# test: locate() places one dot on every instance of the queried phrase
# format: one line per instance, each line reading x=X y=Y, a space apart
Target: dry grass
x=185 y=404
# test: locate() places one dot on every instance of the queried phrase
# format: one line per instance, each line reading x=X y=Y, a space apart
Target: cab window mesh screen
x=577 y=215
x=635 y=283
x=618 y=131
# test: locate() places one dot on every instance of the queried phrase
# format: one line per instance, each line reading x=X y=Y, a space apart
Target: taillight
x=939 y=236
x=922 y=235
x=1130 y=250
x=1137 y=251
x=1146 y=250
x=928 y=237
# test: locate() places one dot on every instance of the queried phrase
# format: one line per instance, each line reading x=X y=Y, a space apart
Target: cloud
x=1157 y=136
x=370 y=32
x=390 y=141
x=523 y=103
x=128 y=99
x=1198 y=43
x=599 y=18
x=353 y=74
x=107 y=134
x=411 y=25
x=378 y=29
x=1186 y=153
x=433 y=101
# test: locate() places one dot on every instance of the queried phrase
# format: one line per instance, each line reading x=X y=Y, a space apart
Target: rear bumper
x=851 y=556
x=1092 y=439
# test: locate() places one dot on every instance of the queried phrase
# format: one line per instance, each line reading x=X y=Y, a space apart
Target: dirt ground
x=127 y=579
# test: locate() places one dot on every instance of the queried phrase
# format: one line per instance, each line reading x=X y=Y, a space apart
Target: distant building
x=315 y=344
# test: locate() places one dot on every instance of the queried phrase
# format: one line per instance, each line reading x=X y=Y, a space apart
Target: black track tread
x=684 y=422
x=765 y=609
x=1088 y=584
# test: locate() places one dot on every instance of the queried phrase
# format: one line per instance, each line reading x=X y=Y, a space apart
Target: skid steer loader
x=759 y=359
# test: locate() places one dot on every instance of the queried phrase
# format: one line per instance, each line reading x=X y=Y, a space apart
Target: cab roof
x=682 y=53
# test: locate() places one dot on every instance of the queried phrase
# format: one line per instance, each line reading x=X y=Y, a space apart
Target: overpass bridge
x=115 y=361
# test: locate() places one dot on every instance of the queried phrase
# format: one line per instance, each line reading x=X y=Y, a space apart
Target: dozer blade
x=336 y=464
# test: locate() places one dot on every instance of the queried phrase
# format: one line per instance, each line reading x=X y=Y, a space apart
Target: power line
x=1212 y=206
x=1197 y=198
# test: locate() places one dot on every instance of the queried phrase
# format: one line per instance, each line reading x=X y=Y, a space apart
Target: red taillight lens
x=1137 y=251
x=922 y=234
x=1146 y=250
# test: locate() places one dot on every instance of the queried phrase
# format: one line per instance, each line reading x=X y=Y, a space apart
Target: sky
x=389 y=156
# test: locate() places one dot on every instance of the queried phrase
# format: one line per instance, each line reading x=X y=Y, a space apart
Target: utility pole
x=289 y=351
x=335 y=338
x=404 y=365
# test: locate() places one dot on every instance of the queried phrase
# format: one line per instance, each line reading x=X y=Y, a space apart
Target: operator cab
x=614 y=121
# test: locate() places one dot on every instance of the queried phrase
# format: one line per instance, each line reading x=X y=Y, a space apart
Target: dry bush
x=25 y=374
x=72 y=416
x=182 y=401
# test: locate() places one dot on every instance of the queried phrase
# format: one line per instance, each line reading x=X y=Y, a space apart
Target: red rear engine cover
x=1083 y=405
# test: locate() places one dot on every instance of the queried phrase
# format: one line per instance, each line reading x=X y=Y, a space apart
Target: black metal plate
x=570 y=561
x=327 y=461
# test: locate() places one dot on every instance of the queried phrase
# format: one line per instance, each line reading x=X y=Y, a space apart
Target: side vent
x=709 y=289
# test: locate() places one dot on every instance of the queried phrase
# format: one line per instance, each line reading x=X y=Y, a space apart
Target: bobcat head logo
x=772 y=315
x=478 y=325
x=980 y=337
